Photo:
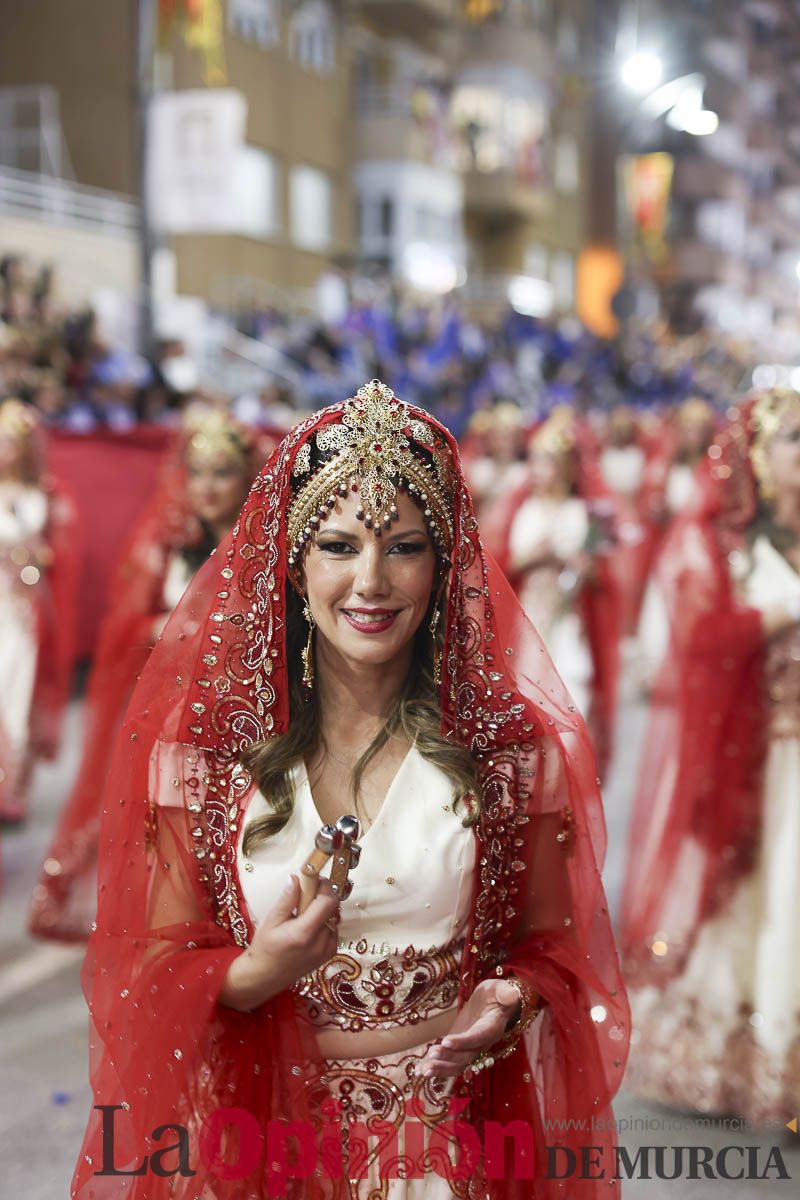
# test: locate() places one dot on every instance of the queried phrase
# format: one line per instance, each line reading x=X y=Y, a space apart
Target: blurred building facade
x=727 y=249
x=470 y=145
x=438 y=140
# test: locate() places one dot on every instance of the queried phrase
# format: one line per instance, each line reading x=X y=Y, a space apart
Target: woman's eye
x=408 y=547
x=335 y=547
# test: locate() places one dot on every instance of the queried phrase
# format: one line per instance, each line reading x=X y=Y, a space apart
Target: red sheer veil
x=696 y=815
x=63 y=904
x=171 y=915
x=600 y=598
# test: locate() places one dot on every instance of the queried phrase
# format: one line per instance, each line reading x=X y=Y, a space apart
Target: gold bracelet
x=531 y=1006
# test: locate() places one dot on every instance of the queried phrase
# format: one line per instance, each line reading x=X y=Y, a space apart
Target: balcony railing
x=410 y=122
x=412 y=16
x=59 y=202
x=504 y=193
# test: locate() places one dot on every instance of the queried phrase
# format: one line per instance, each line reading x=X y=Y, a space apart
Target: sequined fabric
x=401 y=1110
x=364 y=987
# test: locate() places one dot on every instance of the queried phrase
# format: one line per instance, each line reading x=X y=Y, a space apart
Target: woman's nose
x=371 y=578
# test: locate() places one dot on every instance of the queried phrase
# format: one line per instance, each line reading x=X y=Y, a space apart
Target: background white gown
x=558 y=527
x=725 y=1034
x=23 y=516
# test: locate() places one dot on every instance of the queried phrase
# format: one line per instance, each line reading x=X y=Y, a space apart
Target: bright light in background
x=701 y=123
x=770 y=375
x=797 y=268
x=642 y=72
x=688 y=115
x=430 y=268
x=765 y=375
x=530 y=296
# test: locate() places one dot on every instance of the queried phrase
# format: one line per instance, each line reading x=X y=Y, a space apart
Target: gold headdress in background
x=18 y=421
x=695 y=411
x=556 y=435
x=768 y=412
x=210 y=433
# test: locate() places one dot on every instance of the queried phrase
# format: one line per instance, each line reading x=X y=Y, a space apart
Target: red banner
x=110 y=477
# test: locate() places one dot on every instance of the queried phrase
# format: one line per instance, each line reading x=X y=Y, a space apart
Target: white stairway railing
x=60 y=202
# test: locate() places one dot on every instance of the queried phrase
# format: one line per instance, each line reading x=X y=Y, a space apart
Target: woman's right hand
x=285 y=947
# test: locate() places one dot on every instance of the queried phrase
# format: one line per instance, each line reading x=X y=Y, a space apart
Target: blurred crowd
x=63 y=364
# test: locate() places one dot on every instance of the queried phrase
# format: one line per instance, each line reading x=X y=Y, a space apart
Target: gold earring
x=437 y=654
x=307 y=653
x=766 y=489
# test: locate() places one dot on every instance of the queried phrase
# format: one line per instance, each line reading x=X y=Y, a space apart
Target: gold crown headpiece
x=506 y=417
x=622 y=419
x=557 y=434
x=768 y=412
x=212 y=434
x=371 y=453
x=695 y=411
x=480 y=422
x=18 y=421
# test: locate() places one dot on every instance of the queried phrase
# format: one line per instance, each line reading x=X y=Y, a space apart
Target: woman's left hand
x=480 y=1023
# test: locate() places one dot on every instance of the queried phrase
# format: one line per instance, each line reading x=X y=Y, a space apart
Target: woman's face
x=11 y=457
x=217 y=489
x=694 y=436
x=548 y=472
x=369 y=594
x=783 y=454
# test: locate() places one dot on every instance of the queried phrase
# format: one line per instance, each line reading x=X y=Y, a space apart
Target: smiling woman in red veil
x=350 y=679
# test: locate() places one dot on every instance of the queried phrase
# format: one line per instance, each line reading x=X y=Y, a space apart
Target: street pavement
x=44 y=1092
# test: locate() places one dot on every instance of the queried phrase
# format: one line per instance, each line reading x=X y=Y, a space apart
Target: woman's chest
x=23 y=513
x=413 y=883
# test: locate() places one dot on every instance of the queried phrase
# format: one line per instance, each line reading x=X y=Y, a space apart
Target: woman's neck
x=557 y=494
x=786 y=510
x=220 y=529
x=354 y=698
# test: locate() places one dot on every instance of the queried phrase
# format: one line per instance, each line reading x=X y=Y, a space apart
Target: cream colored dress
x=559 y=527
x=23 y=516
x=725 y=1034
x=396 y=969
x=652 y=638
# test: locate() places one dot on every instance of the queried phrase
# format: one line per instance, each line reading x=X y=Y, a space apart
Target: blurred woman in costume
x=38 y=577
x=555 y=551
x=495 y=453
x=195 y=505
x=709 y=921
x=351 y=657
x=624 y=461
x=673 y=485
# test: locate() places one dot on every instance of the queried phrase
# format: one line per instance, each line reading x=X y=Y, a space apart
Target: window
x=255 y=20
x=312 y=36
x=562 y=277
x=536 y=261
x=566 y=169
x=257 y=192
x=311 y=208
